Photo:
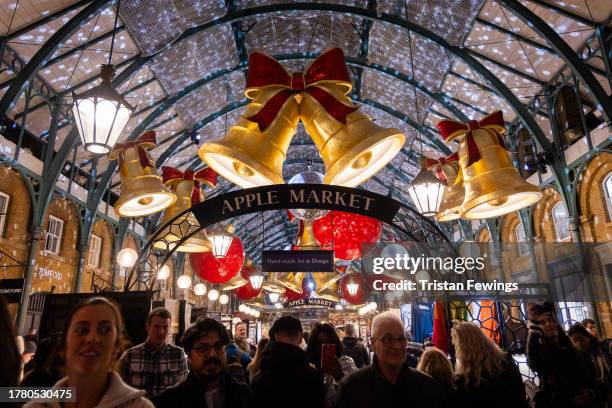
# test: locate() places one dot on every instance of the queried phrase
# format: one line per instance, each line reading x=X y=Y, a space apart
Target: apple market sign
x=289 y=196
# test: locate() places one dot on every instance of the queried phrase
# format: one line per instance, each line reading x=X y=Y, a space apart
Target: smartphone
x=328 y=351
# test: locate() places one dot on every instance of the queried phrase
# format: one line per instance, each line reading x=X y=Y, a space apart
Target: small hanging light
x=213 y=295
x=426 y=192
x=221 y=241
x=101 y=113
x=274 y=297
x=163 y=273
x=243 y=308
x=352 y=288
x=223 y=299
x=199 y=289
x=256 y=279
x=127 y=257
x=183 y=281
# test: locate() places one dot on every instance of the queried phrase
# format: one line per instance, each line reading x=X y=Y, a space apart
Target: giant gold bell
x=171 y=235
x=492 y=184
x=249 y=157
x=142 y=190
x=352 y=152
x=454 y=193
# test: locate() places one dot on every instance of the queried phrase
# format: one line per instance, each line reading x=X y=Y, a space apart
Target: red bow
x=207 y=175
x=265 y=71
x=144 y=142
x=450 y=130
x=437 y=165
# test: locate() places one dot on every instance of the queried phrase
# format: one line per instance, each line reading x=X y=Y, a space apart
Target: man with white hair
x=389 y=381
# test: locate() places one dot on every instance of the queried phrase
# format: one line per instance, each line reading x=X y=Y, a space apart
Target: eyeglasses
x=204 y=348
x=388 y=341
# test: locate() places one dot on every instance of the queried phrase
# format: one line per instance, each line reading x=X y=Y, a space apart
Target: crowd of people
x=214 y=367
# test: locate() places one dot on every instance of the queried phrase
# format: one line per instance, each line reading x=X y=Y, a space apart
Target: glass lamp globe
x=274 y=297
x=352 y=288
x=242 y=308
x=213 y=294
x=307 y=177
x=163 y=272
x=426 y=192
x=256 y=280
x=127 y=257
x=278 y=305
x=199 y=289
x=223 y=299
x=256 y=314
x=183 y=281
x=221 y=241
x=373 y=305
x=339 y=306
x=101 y=114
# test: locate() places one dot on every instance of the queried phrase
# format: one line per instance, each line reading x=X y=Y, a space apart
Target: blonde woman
x=435 y=363
x=253 y=367
x=484 y=373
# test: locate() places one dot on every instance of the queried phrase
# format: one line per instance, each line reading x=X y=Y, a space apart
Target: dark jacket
x=190 y=393
x=356 y=350
x=562 y=370
x=286 y=378
x=368 y=388
x=508 y=383
x=40 y=378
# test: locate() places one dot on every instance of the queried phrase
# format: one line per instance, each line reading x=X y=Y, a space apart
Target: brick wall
x=53 y=271
x=104 y=271
x=14 y=242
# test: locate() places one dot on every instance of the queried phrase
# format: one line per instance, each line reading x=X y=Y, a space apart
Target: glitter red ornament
x=350 y=233
x=219 y=270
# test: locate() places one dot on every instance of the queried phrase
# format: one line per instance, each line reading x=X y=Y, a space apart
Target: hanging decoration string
x=110 y=55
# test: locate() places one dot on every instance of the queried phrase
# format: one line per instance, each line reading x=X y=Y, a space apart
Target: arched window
x=521 y=239
x=561 y=221
x=607 y=187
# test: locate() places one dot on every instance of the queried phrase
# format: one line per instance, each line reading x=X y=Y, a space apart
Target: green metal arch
x=564 y=51
x=46 y=51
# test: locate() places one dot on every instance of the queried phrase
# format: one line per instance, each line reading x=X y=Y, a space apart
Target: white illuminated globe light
x=242 y=308
x=223 y=299
x=127 y=257
x=199 y=289
x=373 y=306
x=256 y=314
x=278 y=305
x=213 y=295
x=163 y=273
x=307 y=177
x=339 y=306
x=183 y=281
x=101 y=114
x=426 y=193
x=221 y=242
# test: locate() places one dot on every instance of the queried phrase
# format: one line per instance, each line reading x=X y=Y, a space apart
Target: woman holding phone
x=325 y=352
x=90 y=341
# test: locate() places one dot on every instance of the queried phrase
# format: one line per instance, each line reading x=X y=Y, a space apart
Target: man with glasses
x=208 y=383
x=389 y=381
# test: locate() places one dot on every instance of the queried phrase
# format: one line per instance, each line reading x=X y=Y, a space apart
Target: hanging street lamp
x=426 y=192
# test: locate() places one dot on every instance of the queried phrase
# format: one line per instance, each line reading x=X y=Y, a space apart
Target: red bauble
x=219 y=270
x=247 y=292
x=362 y=290
x=350 y=232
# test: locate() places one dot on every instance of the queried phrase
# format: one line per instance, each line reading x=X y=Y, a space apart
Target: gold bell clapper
x=493 y=186
x=447 y=170
x=142 y=190
x=187 y=187
x=253 y=151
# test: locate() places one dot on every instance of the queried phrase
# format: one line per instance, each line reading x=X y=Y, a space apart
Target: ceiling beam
x=563 y=50
x=18 y=84
x=564 y=12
